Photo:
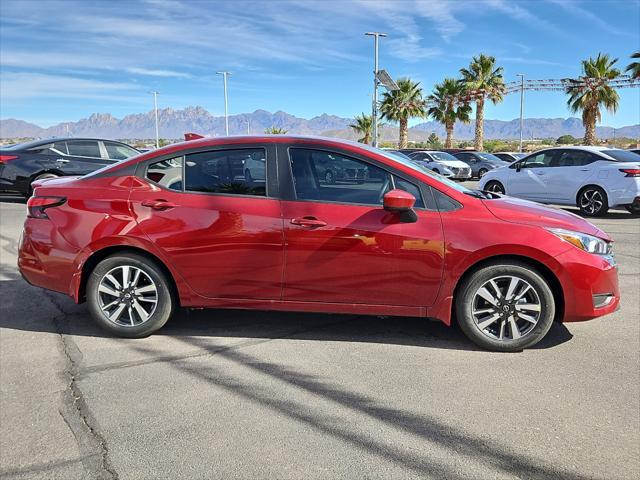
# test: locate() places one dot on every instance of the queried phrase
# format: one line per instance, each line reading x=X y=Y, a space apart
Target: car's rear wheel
x=481 y=172
x=495 y=187
x=42 y=176
x=129 y=295
x=593 y=201
x=505 y=307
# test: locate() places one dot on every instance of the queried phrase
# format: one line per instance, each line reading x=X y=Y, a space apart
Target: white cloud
x=157 y=73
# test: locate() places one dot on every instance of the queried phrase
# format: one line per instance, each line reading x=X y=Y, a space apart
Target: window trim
x=350 y=156
x=146 y=164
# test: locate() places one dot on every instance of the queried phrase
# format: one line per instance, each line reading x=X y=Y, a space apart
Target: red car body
x=258 y=252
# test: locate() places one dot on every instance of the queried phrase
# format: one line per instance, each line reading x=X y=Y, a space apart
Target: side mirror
x=518 y=166
x=398 y=201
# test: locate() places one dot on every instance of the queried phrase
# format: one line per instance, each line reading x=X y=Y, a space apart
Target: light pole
x=521 y=75
x=155 y=107
x=226 y=102
x=374 y=110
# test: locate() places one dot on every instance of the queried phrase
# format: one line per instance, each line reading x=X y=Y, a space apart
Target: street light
x=155 y=107
x=521 y=75
x=374 y=110
x=226 y=104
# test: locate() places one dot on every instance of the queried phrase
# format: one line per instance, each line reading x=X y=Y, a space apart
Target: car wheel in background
x=592 y=201
x=481 y=172
x=505 y=307
x=42 y=176
x=495 y=187
x=128 y=295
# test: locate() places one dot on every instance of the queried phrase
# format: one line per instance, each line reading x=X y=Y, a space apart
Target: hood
x=452 y=163
x=515 y=210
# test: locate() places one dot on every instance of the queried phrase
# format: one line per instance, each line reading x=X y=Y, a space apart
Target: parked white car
x=442 y=163
x=592 y=178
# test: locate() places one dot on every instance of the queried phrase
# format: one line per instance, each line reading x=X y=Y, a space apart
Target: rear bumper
x=590 y=285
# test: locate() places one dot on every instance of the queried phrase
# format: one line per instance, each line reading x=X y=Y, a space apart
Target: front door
x=342 y=247
x=530 y=181
x=219 y=227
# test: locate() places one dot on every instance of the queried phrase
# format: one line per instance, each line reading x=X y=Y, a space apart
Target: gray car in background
x=480 y=162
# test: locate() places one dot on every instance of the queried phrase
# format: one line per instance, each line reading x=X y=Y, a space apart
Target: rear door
x=84 y=156
x=343 y=247
x=570 y=170
x=221 y=230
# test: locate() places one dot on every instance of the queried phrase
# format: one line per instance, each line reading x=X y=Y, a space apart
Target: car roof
x=44 y=141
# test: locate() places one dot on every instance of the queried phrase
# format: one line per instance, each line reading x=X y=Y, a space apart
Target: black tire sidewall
x=464 y=301
x=605 y=202
x=164 y=307
x=495 y=182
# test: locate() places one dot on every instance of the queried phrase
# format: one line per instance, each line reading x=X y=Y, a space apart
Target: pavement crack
x=74 y=409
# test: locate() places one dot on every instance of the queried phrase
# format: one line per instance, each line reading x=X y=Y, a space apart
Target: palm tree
x=483 y=80
x=275 y=131
x=363 y=126
x=402 y=104
x=634 y=67
x=448 y=104
x=590 y=91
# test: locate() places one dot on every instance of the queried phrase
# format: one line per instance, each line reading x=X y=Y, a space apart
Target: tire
x=151 y=278
x=247 y=176
x=633 y=209
x=329 y=177
x=505 y=326
x=592 y=201
x=482 y=172
x=495 y=187
x=42 y=176
x=436 y=171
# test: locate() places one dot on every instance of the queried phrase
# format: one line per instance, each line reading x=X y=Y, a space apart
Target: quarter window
x=234 y=172
x=167 y=173
x=414 y=190
x=84 y=148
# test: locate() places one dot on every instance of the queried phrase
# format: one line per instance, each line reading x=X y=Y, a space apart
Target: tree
x=402 y=104
x=275 y=131
x=591 y=91
x=434 y=142
x=448 y=104
x=483 y=80
x=634 y=67
x=363 y=126
x=567 y=140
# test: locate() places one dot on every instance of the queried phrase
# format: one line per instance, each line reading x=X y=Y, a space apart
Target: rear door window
x=84 y=148
x=118 y=151
x=574 y=158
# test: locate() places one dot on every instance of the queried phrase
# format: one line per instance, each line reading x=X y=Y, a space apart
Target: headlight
x=585 y=242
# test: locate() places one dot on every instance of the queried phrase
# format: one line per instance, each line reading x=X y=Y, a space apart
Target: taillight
x=38 y=205
x=631 y=172
x=5 y=158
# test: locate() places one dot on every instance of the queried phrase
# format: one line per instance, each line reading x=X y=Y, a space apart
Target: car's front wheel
x=593 y=201
x=129 y=295
x=495 y=187
x=505 y=307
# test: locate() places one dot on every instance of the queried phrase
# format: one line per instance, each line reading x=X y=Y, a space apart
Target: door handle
x=62 y=160
x=158 y=204
x=308 y=222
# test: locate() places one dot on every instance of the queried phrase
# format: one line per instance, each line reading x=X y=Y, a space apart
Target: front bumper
x=590 y=285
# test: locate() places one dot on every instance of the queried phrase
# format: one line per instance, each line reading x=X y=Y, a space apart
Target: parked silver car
x=480 y=162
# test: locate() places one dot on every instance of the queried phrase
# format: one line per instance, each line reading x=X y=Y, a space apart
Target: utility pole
x=226 y=102
x=374 y=109
x=521 y=75
x=155 y=107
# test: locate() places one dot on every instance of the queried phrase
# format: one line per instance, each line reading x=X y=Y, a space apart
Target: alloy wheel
x=506 y=308
x=591 y=201
x=495 y=187
x=127 y=296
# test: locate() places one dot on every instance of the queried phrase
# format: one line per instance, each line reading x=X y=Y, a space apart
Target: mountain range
x=174 y=123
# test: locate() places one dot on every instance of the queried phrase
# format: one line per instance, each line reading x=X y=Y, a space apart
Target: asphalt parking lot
x=233 y=394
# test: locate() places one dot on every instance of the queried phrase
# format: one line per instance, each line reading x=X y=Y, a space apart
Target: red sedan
x=252 y=222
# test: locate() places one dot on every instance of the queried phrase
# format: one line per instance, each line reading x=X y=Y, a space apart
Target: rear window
x=622 y=155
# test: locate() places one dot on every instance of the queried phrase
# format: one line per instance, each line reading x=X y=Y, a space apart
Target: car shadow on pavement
x=65 y=317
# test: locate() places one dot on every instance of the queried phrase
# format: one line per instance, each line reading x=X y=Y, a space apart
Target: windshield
x=418 y=168
x=622 y=155
x=443 y=156
x=489 y=157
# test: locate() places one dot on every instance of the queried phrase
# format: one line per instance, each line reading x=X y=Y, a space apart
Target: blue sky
x=63 y=60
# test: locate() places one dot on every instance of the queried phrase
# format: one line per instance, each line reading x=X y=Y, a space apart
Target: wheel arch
x=97 y=256
x=552 y=280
